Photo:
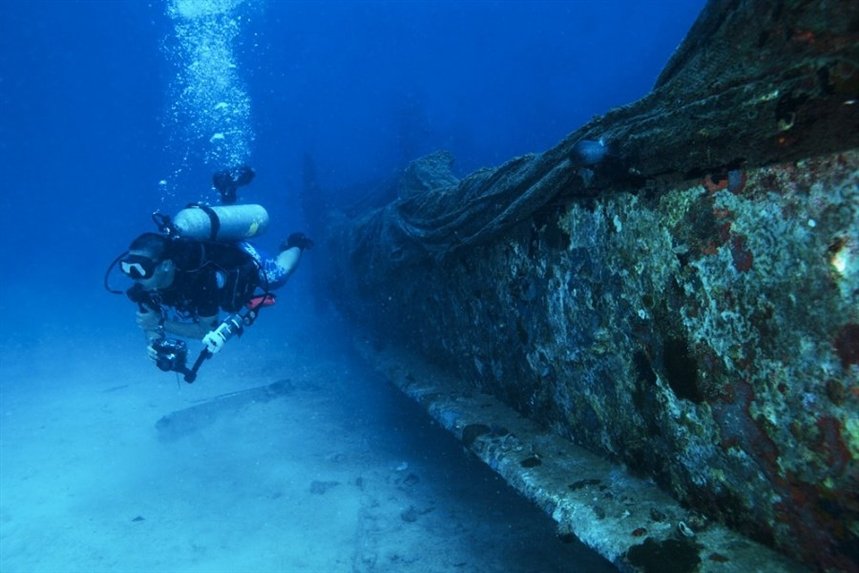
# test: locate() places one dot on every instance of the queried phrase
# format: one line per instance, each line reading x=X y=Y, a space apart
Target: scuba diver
x=198 y=265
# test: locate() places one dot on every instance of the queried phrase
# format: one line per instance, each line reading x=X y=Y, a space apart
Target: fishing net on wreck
x=754 y=82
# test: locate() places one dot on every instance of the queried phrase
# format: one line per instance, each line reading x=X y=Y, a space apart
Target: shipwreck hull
x=688 y=306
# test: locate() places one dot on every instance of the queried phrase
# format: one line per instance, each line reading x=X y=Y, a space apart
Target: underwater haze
x=113 y=110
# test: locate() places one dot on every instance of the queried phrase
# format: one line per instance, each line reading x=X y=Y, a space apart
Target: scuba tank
x=219 y=223
x=225 y=223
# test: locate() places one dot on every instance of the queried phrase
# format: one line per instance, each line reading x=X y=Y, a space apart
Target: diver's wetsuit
x=211 y=276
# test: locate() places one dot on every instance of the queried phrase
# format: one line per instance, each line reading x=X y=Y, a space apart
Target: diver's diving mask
x=138 y=266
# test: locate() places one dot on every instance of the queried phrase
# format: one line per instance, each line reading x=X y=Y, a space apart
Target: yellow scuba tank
x=221 y=222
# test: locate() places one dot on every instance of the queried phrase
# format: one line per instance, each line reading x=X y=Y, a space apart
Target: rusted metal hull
x=688 y=307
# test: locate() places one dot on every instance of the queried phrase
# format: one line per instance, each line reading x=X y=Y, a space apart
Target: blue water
x=111 y=110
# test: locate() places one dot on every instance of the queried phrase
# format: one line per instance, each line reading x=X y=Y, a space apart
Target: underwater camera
x=171 y=355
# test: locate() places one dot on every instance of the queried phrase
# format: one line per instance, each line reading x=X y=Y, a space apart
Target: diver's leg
x=274 y=272
x=287 y=261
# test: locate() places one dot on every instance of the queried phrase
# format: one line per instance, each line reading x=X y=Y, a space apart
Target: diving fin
x=228 y=181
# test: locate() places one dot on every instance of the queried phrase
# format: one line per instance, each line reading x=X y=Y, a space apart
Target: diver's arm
x=197 y=329
x=149 y=322
x=155 y=326
x=149 y=316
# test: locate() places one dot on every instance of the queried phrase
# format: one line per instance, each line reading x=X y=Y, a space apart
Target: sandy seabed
x=339 y=473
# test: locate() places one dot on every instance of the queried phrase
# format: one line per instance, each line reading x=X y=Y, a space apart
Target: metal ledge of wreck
x=600 y=503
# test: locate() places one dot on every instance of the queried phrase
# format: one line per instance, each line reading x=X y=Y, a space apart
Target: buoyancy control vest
x=209 y=276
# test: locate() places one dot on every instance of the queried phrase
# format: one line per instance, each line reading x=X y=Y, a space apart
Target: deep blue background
x=84 y=92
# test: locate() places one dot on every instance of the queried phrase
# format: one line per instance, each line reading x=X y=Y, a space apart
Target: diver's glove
x=215 y=339
x=299 y=240
x=213 y=342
